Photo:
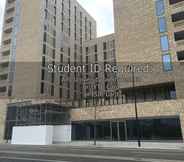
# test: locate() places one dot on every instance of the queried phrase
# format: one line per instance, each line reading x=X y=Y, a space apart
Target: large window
x=180 y=55
x=175 y=1
x=162 y=25
x=179 y=35
x=26 y=114
x=164 y=43
x=2 y=89
x=178 y=16
x=167 y=63
x=168 y=128
x=160 y=10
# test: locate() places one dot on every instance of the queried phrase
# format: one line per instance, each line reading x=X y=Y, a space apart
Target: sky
x=101 y=10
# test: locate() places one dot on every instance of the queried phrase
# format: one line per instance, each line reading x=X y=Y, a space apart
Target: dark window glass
x=105 y=55
x=42 y=88
x=43 y=61
x=52 y=90
x=178 y=16
x=44 y=49
x=45 y=37
x=2 y=89
x=96 y=49
x=60 y=93
x=43 y=74
x=180 y=56
x=175 y=1
x=104 y=46
x=179 y=35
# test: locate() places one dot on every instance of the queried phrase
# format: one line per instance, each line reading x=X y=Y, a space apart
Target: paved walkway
x=144 y=145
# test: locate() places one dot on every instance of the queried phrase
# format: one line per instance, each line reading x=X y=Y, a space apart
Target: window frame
x=158 y=6
x=163 y=49
x=160 y=23
x=165 y=62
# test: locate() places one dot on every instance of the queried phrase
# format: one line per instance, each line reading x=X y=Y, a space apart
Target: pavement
x=61 y=153
x=175 y=145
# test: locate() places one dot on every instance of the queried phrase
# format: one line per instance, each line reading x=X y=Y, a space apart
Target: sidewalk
x=130 y=145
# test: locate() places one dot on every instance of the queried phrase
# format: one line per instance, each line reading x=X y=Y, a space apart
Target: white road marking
x=88 y=156
x=28 y=159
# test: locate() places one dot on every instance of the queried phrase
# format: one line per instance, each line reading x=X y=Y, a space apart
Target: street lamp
x=95 y=115
x=136 y=111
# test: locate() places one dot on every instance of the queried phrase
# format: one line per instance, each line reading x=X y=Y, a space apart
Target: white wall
x=32 y=135
x=62 y=133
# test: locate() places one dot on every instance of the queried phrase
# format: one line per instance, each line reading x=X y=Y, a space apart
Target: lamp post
x=136 y=111
x=95 y=117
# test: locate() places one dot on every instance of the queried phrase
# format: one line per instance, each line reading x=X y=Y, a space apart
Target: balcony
x=3 y=94
x=5 y=48
x=6 y=39
x=9 y=15
x=3 y=82
x=3 y=90
x=11 y=1
x=8 y=25
x=10 y=5
x=4 y=71
x=6 y=42
x=5 y=53
x=5 y=58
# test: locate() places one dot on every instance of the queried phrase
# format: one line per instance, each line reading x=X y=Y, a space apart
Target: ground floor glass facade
x=123 y=130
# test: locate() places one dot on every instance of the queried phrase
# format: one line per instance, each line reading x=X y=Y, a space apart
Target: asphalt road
x=10 y=153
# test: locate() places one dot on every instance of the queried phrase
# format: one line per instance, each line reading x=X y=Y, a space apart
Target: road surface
x=12 y=153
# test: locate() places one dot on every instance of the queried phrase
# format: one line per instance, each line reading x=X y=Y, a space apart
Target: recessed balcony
x=3 y=90
x=5 y=58
x=5 y=48
x=8 y=27
x=10 y=6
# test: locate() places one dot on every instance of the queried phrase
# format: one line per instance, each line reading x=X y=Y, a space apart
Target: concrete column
x=126 y=134
x=182 y=124
x=3 y=109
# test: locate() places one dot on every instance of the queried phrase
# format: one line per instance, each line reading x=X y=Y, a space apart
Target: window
x=162 y=25
x=180 y=56
x=44 y=49
x=179 y=35
x=164 y=43
x=4 y=77
x=2 y=89
x=104 y=46
x=42 y=88
x=96 y=48
x=160 y=10
x=175 y=1
x=52 y=90
x=167 y=62
x=87 y=50
x=178 y=16
x=43 y=74
x=105 y=55
x=96 y=57
x=60 y=92
x=60 y=80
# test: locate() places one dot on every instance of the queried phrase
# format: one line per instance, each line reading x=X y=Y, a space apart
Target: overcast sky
x=101 y=10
